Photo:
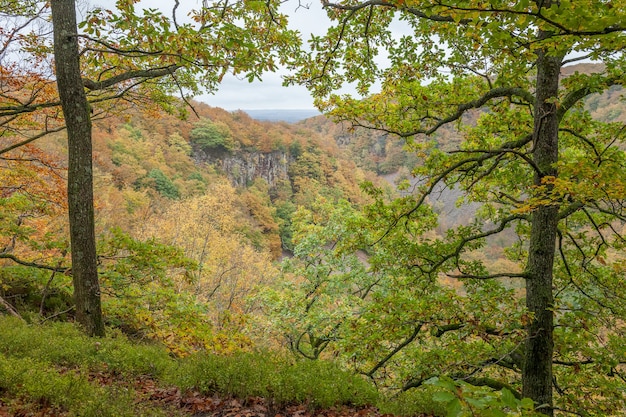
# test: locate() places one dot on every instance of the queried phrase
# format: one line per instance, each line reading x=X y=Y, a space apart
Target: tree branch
x=382 y=3
x=130 y=75
x=487 y=277
x=31 y=139
x=464 y=241
x=498 y=92
x=34 y=264
x=397 y=349
x=506 y=147
x=8 y=307
x=492 y=383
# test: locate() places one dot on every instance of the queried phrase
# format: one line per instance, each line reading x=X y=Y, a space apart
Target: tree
x=210 y=229
x=213 y=136
x=535 y=159
x=80 y=171
x=121 y=57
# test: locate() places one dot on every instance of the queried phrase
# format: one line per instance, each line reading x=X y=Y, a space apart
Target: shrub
x=164 y=185
x=213 y=136
x=278 y=378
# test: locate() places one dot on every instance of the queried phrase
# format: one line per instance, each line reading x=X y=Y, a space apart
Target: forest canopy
x=454 y=230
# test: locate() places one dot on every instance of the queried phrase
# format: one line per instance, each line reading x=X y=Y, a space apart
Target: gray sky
x=236 y=94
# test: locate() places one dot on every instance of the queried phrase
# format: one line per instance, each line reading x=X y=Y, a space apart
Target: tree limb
x=8 y=307
x=492 y=383
x=397 y=349
x=487 y=277
x=498 y=92
x=34 y=264
x=31 y=139
x=130 y=75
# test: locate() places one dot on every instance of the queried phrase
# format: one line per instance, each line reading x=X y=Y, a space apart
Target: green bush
x=319 y=384
x=213 y=136
x=62 y=344
x=70 y=391
x=50 y=365
x=25 y=287
x=164 y=185
x=415 y=402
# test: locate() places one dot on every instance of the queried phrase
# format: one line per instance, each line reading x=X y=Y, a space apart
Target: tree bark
x=537 y=368
x=80 y=172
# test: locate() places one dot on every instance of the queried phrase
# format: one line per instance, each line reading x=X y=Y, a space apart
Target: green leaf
x=443 y=396
x=527 y=404
x=454 y=408
x=509 y=399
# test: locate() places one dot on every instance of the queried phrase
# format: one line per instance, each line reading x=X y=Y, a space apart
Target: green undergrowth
x=318 y=384
x=36 y=384
x=52 y=365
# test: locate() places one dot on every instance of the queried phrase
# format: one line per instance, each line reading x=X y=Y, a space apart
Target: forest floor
x=173 y=402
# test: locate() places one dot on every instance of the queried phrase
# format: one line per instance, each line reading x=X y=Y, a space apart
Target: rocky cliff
x=244 y=166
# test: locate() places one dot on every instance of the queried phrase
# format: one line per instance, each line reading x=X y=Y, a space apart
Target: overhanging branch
x=31 y=139
x=397 y=349
x=130 y=75
x=34 y=264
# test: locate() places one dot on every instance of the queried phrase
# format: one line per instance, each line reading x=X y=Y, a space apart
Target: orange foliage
x=33 y=203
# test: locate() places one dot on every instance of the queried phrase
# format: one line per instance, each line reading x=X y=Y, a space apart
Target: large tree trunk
x=537 y=370
x=80 y=175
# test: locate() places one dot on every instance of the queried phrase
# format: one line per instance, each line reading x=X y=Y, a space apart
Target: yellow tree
x=210 y=229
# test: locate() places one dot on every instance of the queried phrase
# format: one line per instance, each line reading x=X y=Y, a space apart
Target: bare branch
x=8 y=307
x=572 y=363
x=31 y=139
x=176 y=4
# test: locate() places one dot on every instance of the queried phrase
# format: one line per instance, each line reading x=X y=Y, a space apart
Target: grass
x=52 y=366
x=318 y=384
x=48 y=367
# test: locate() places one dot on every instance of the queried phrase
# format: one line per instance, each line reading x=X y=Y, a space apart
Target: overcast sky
x=235 y=93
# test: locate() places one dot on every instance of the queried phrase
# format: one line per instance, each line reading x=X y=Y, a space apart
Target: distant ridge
x=282 y=115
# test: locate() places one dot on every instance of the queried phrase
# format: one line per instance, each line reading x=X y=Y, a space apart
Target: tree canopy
x=530 y=155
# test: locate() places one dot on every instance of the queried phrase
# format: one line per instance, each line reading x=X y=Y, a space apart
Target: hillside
x=193 y=218
x=54 y=370
x=239 y=181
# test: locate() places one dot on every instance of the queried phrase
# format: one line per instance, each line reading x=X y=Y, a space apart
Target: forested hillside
x=219 y=187
x=447 y=239
x=193 y=217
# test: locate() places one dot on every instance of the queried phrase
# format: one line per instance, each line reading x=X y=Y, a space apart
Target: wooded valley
x=450 y=242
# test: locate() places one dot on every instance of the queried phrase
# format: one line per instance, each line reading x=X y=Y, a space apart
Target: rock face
x=243 y=166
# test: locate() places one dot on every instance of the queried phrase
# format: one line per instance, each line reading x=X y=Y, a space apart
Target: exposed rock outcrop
x=244 y=166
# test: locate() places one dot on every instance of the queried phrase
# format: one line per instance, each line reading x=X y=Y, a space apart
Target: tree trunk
x=80 y=175
x=537 y=369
